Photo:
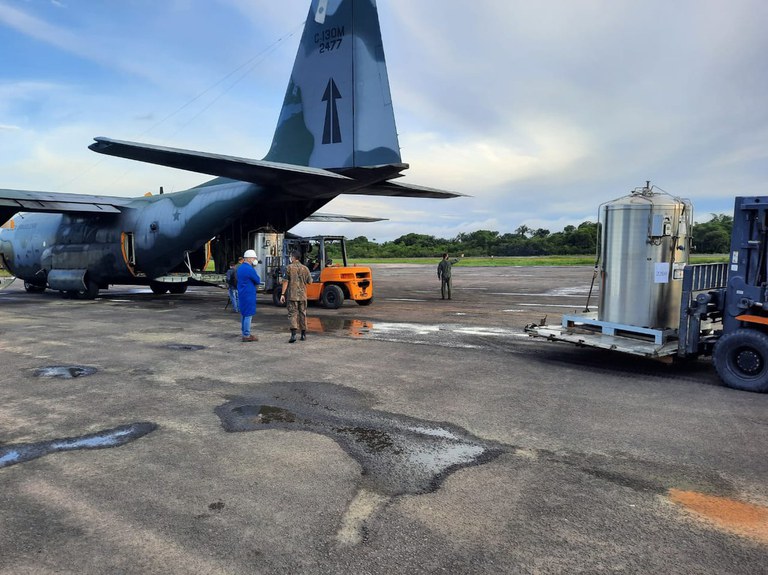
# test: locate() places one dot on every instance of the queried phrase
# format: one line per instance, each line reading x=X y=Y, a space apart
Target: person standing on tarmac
x=444 y=274
x=247 y=282
x=294 y=291
x=231 y=279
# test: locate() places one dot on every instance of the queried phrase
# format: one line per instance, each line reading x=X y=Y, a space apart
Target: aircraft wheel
x=158 y=288
x=365 y=301
x=178 y=288
x=33 y=288
x=91 y=292
x=333 y=297
x=741 y=360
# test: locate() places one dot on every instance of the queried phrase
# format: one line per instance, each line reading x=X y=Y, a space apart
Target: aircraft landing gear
x=158 y=288
x=91 y=292
x=178 y=288
x=33 y=288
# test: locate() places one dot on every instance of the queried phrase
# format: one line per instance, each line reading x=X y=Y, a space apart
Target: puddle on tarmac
x=65 y=371
x=184 y=346
x=352 y=327
x=737 y=517
x=264 y=414
x=445 y=335
x=399 y=454
x=23 y=452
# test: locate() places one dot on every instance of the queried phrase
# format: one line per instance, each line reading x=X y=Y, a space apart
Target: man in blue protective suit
x=247 y=282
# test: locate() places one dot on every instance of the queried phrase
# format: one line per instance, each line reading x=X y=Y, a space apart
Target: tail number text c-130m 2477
x=330 y=38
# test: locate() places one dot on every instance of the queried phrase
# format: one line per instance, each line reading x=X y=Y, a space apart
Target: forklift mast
x=745 y=293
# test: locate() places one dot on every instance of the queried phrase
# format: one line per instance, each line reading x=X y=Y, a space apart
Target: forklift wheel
x=276 y=297
x=741 y=360
x=332 y=297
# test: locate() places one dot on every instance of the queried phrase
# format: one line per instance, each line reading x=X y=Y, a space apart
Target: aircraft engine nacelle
x=67 y=280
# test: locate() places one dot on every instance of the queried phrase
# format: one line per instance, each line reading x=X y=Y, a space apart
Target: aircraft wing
x=14 y=201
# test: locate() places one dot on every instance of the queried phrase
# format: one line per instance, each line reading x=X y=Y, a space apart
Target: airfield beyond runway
x=139 y=435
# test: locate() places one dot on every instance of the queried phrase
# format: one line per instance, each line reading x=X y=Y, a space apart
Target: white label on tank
x=735 y=257
x=661 y=273
x=734 y=268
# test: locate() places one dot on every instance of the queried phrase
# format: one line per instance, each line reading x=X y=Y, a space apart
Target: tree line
x=711 y=237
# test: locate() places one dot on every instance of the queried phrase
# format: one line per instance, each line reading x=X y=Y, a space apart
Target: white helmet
x=249 y=254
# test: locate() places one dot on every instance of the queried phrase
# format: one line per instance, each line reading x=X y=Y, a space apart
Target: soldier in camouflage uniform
x=444 y=274
x=294 y=291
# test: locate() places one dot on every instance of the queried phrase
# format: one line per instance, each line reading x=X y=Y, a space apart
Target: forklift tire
x=741 y=360
x=368 y=301
x=333 y=297
x=276 y=298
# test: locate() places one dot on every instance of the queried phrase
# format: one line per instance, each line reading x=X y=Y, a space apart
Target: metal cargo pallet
x=583 y=336
x=589 y=321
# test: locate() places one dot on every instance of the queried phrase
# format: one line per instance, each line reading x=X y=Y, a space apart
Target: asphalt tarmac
x=138 y=434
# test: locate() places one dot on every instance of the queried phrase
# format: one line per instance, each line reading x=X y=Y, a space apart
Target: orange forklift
x=333 y=279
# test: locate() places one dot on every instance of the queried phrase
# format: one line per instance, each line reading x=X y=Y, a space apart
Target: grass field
x=507 y=262
x=522 y=261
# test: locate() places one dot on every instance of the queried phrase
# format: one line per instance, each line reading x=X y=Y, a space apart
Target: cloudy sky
x=540 y=110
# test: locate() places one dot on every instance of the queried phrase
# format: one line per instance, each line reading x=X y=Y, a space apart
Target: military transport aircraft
x=335 y=135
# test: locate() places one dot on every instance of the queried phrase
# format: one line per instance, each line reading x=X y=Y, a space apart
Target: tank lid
x=646 y=195
x=644 y=191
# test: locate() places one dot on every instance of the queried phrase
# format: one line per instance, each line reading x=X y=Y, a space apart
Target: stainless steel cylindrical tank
x=645 y=243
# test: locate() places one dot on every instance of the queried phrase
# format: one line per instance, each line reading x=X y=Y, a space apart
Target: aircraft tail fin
x=337 y=111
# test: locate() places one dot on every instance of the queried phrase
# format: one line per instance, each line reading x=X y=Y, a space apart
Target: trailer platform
x=585 y=330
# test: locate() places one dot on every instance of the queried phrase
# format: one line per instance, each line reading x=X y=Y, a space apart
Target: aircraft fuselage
x=149 y=238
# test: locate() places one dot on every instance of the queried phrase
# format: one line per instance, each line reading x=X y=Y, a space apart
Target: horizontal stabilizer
x=242 y=169
x=319 y=217
x=405 y=190
x=297 y=181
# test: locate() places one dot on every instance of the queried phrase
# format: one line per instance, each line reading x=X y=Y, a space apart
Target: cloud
x=540 y=111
